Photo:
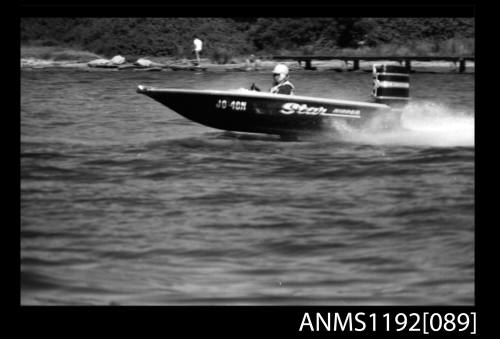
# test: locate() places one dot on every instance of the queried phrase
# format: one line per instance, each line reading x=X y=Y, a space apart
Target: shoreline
x=263 y=65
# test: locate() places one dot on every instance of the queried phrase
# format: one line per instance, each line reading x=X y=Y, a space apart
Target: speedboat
x=286 y=115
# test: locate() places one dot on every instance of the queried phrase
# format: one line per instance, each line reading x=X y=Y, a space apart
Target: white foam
x=423 y=124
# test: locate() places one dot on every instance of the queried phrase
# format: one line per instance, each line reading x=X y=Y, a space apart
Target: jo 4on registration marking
x=234 y=105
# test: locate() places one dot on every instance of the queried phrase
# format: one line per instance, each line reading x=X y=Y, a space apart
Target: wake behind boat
x=284 y=115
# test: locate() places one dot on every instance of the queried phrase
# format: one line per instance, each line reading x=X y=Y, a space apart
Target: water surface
x=126 y=202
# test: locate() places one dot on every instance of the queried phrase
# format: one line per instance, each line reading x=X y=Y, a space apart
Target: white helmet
x=280 y=69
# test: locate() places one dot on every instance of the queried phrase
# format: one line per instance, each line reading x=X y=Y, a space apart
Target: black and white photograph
x=247 y=160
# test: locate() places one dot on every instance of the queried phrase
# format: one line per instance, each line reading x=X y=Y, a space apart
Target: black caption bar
x=259 y=321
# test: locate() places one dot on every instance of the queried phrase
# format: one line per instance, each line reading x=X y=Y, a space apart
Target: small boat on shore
x=284 y=115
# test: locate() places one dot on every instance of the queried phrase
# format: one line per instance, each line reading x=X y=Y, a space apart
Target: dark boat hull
x=258 y=112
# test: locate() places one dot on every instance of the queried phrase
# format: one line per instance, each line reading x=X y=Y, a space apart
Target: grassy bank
x=57 y=53
x=454 y=47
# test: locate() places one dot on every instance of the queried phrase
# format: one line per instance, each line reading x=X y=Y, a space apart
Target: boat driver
x=281 y=85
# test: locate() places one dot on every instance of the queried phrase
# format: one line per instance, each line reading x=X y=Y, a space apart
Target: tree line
x=237 y=36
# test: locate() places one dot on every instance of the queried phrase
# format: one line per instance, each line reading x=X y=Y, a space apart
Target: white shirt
x=197 y=45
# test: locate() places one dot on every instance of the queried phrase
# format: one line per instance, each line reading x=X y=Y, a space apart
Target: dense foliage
x=239 y=36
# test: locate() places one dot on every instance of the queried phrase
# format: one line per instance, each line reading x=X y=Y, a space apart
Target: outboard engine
x=391 y=85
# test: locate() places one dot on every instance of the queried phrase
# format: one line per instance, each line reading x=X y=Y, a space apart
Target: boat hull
x=258 y=112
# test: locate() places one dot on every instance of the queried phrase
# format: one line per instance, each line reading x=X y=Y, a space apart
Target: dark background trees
x=238 y=36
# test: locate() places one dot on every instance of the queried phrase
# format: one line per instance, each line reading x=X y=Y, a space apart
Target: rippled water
x=125 y=202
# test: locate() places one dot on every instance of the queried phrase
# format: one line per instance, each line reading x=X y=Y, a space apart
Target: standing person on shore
x=198 y=44
x=281 y=85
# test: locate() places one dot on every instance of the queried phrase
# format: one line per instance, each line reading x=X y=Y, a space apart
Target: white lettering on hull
x=295 y=108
